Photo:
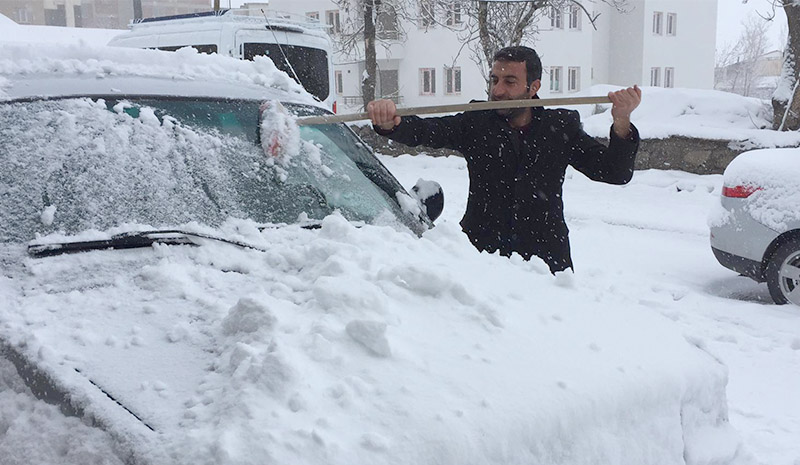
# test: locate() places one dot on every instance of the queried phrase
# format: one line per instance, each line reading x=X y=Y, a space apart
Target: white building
x=667 y=43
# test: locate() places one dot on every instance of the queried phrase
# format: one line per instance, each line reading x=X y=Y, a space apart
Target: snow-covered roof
x=28 y=70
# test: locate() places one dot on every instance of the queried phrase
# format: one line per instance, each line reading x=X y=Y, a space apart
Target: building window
x=575 y=17
x=454 y=13
x=574 y=79
x=426 y=13
x=452 y=80
x=555 y=79
x=672 y=24
x=427 y=81
x=332 y=20
x=339 y=83
x=312 y=16
x=655 y=77
x=658 y=19
x=556 y=19
x=23 y=15
x=669 y=77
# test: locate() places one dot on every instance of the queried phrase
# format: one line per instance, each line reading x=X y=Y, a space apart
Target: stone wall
x=698 y=156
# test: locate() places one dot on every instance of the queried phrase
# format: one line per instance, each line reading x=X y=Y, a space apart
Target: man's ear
x=535 y=86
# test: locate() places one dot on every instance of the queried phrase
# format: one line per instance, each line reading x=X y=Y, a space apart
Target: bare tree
x=740 y=64
x=491 y=26
x=786 y=99
x=367 y=24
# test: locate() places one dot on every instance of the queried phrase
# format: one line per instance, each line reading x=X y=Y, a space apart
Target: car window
x=77 y=164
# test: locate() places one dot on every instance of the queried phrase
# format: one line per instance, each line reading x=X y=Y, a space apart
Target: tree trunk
x=368 y=82
x=787 y=97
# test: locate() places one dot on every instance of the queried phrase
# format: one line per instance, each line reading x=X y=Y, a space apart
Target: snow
x=13 y=32
x=776 y=175
x=337 y=345
x=368 y=344
x=30 y=59
x=705 y=114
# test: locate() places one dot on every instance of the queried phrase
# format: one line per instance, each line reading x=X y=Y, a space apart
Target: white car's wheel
x=783 y=273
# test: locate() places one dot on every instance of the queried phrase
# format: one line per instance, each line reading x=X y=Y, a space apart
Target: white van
x=297 y=46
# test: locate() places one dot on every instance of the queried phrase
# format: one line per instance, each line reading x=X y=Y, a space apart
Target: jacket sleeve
x=441 y=132
x=612 y=164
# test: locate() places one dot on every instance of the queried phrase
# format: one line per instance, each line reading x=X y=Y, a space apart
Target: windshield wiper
x=129 y=240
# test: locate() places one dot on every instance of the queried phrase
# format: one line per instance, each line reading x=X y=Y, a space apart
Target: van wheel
x=783 y=273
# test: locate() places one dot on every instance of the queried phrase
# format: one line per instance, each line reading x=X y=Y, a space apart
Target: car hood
x=354 y=345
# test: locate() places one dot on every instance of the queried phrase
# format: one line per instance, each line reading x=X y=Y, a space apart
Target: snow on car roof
x=777 y=173
x=101 y=70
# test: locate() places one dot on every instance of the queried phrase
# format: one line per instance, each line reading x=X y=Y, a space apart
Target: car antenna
x=285 y=58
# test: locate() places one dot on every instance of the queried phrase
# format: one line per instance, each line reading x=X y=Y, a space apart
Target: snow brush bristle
x=279 y=133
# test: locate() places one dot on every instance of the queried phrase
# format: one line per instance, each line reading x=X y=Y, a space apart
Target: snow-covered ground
x=369 y=345
x=648 y=241
x=643 y=246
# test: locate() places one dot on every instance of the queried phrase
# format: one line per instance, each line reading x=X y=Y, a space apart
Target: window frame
x=658 y=23
x=672 y=24
x=574 y=23
x=556 y=79
x=452 y=80
x=431 y=72
x=427 y=14
x=669 y=77
x=655 y=76
x=333 y=19
x=574 y=73
x=556 y=18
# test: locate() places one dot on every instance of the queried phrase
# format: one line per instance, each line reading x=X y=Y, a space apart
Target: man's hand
x=623 y=102
x=383 y=114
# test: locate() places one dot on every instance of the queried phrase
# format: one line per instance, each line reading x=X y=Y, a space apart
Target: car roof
x=48 y=86
x=30 y=71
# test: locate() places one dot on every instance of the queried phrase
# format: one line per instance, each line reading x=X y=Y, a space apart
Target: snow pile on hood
x=19 y=60
x=776 y=172
x=366 y=345
x=707 y=114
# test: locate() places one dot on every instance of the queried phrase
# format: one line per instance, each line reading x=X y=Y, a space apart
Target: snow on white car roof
x=776 y=172
x=82 y=70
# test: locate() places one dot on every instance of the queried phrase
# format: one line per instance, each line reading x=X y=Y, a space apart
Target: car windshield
x=89 y=163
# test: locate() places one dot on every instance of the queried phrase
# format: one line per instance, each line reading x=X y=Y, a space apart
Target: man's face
x=509 y=82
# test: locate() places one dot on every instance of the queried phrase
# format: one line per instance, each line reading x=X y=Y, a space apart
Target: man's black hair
x=519 y=54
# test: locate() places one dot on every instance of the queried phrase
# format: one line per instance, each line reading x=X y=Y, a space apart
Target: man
x=517 y=158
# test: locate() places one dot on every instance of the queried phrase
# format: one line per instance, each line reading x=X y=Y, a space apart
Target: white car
x=756 y=230
x=208 y=283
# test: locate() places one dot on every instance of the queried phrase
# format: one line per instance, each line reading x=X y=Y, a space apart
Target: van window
x=310 y=64
x=208 y=49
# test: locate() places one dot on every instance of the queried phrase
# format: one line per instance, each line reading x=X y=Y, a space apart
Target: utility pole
x=216 y=5
x=137 y=9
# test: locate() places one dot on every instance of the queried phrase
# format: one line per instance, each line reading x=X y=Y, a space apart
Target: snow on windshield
x=777 y=173
x=76 y=164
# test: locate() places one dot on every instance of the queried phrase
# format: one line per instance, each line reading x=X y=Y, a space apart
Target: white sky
x=731 y=13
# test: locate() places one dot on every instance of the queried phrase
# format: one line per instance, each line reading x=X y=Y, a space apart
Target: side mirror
x=430 y=196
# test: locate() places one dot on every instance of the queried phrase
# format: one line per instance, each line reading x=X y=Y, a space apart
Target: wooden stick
x=475 y=106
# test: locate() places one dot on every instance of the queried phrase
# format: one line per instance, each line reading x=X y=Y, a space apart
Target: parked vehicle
x=298 y=47
x=207 y=282
x=757 y=230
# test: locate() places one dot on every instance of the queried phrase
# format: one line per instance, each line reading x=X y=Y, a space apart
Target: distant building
x=106 y=14
x=663 y=43
x=757 y=79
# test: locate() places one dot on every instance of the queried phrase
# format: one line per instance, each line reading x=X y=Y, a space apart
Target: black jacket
x=515 y=177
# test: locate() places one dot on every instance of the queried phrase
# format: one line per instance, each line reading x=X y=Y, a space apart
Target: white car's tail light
x=739 y=192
